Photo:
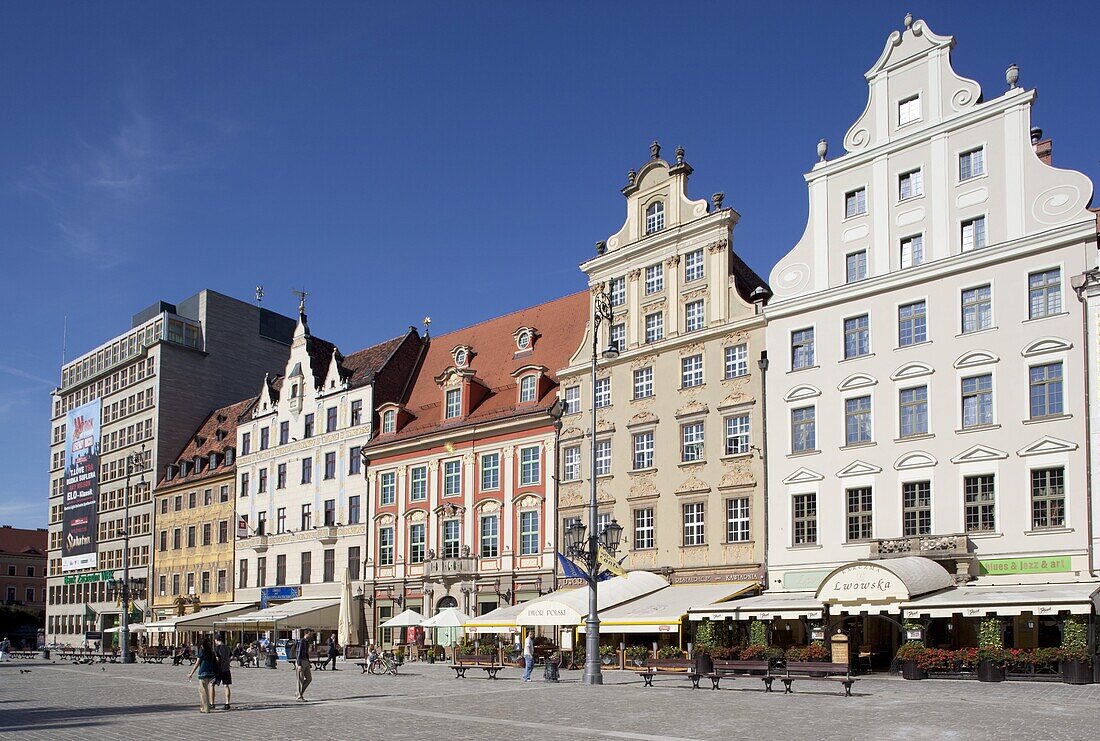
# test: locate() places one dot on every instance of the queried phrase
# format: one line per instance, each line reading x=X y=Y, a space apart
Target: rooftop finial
x=631 y=177
x=655 y=150
x=1012 y=75
x=301 y=301
x=427 y=325
x=822 y=150
x=908 y=21
x=259 y=295
x=680 y=155
x=717 y=199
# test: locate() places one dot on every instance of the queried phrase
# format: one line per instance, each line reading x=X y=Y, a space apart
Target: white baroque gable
x=979 y=453
x=858 y=468
x=1047 y=444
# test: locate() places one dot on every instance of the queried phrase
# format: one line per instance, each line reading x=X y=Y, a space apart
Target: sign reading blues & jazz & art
x=78 y=547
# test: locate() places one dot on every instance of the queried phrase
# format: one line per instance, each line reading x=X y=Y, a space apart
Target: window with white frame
x=643 y=450
x=916 y=508
x=736 y=361
x=602 y=395
x=603 y=457
x=694 y=316
x=737 y=520
x=980 y=496
x=654 y=326
x=977 y=401
x=527 y=387
x=912 y=324
x=912 y=251
x=571 y=463
x=387 y=488
x=803 y=430
x=908 y=110
x=655 y=217
x=603 y=519
x=692 y=438
x=572 y=399
x=490 y=536
x=654 y=278
x=389 y=420
x=910 y=184
x=691 y=371
x=644 y=527
x=618 y=336
x=530 y=462
x=1045 y=383
x=913 y=411
x=857 y=336
x=617 y=290
x=417 y=541
x=973 y=233
x=1048 y=498
x=737 y=434
x=452 y=477
x=643 y=383
x=977 y=309
x=490 y=471
x=1044 y=290
x=804 y=519
x=693 y=265
x=802 y=348
x=971 y=163
x=694 y=523
x=855 y=202
x=529 y=533
x=855 y=266
x=385 y=546
x=452 y=538
x=857 y=420
x=418 y=484
x=453 y=399
x=860 y=517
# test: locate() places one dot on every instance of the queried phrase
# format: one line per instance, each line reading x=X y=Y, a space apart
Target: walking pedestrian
x=528 y=657
x=207 y=667
x=225 y=677
x=301 y=658
x=5 y=649
x=332 y=651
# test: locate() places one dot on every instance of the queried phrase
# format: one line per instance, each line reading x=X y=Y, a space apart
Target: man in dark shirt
x=225 y=677
x=304 y=668
x=332 y=651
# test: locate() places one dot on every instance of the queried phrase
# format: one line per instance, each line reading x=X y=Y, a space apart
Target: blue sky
x=403 y=159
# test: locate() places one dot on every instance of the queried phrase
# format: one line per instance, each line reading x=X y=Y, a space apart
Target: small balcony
x=952 y=546
x=450 y=568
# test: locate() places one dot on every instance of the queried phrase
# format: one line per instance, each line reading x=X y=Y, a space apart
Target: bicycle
x=383 y=664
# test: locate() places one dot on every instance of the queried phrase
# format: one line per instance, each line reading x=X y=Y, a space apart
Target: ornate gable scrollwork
x=643 y=487
x=643 y=417
x=490 y=506
x=693 y=485
x=693 y=407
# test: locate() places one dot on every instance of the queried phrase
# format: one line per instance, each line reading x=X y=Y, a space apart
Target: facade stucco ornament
x=642 y=362
x=691 y=295
x=490 y=507
x=655 y=150
x=643 y=417
x=571 y=495
x=604 y=425
x=468 y=459
x=735 y=397
x=738 y=473
x=635 y=274
x=632 y=178
x=680 y=155
x=571 y=432
x=418 y=515
x=509 y=450
x=822 y=150
x=693 y=349
x=716 y=199
x=528 y=501
x=908 y=21
x=643 y=487
x=717 y=246
x=692 y=485
x=601 y=247
x=1012 y=75
x=692 y=407
x=596 y=289
x=673 y=261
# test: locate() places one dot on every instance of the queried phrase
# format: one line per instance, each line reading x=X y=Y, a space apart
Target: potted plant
x=991 y=653
x=909 y=655
x=607 y=655
x=703 y=646
x=1073 y=655
x=669 y=652
x=637 y=654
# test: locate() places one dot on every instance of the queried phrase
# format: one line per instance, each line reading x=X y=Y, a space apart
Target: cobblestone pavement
x=56 y=700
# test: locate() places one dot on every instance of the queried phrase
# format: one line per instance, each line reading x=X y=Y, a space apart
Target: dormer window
x=230 y=454
x=389 y=420
x=461 y=356
x=655 y=217
x=453 y=404
x=527 y=389
x=524 y=340
x=909 y=110
x=212 y=461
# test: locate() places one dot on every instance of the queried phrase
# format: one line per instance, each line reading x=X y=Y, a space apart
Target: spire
x=302 y=328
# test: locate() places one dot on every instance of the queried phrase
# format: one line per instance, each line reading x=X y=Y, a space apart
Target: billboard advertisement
x=79 y=522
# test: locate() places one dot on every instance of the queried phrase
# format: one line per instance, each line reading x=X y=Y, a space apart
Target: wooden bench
x=732 y=669
x=23 y=653
x=815 y=671
x=682 y=667
x=487 y=664
x=153 y=655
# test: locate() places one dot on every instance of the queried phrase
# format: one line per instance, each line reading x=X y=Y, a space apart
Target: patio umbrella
x=347 y=625
x=448 y=617
x=406 y=619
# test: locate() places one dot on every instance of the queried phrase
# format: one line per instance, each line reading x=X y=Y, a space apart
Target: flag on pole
x=569 y=569
x=608 y=561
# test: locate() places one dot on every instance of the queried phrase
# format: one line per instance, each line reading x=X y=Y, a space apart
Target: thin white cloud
x=20 y=373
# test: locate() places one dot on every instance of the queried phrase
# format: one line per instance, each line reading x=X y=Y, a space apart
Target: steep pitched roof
x=216 y=433
x=361 y=365
x=23 y=542
x=745 y=278
x=559 y=326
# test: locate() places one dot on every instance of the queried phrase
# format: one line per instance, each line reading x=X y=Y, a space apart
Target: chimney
x=1042 y=147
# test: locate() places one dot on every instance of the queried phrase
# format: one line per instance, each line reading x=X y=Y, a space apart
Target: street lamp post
x=134 y=462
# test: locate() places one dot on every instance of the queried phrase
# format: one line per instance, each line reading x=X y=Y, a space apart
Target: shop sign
x=278 y=593
x=862 y=583
x=1032 y=565
x=96 y=576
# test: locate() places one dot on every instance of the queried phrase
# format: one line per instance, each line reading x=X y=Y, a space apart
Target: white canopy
x=1011 y=599
x=500 y=620
x=881 y=585
x=134 y=628
x=205 y=619
x=405 y=619
x=663 y=611
x=786 y=605
x=448 y=617
x=570 y=606
x=315 y=612
x=348 y=619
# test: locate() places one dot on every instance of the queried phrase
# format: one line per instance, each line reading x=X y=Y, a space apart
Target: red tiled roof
x=559 y=326
x=21 y=541
x=359 y=366
x=216 y=433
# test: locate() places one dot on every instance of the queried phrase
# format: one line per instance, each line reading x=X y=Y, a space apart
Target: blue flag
x=569 y=569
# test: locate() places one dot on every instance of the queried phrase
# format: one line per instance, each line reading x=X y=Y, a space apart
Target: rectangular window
x=330 y=465
x=977 y=401
x=528 y=389
x=355 y=460
x=857 y=420
x=802 y=348
x=389 y=421
x=691 y=371
x=972 y=164
x=977 y=309
x=855 y=266
x=912 y=251
x=246 y=443
x=417 y=535
x=857 y=336
x=207 y=533
x=616 y=289
x=261 y=522
x=694 y=316
x=280 y=476
x=261 y=571
x=265 y=438
x=490 y=471
x=356 y=412
x=912 y=324
x=163 y=540
x=280 y=570
x=191 y=533
x=354 y=559
x=910 y=184
x=737 y=520
x=694 y=524
x=490 y=534
x=330 y=512
x=330 y=419
x=453 y=399
x=603 y=392
x=804 y=514
x=530 y=466
x=643 y=528
x=244 y=488
x=737 y=361
x=354 y=511
x=643 y=450
x=385 y=546
x=803 y=430
x=654 y=279
x=855 y=203
x=451 y=538
x=328 y=573
x=860 y=518
x=572 y=400
x=307 y=470
x=280 y=520
x=1044 y=293
x=204 y=582
x=654 y=327
x=307 y=567
x=980 y=497
x=308 y=429
x=603 y=457
x=908 y=110
x=529 y=533
x=1048 y=498
x=243 y=572
x=916 y=508
x=452 y=477
x=387 y=488
x=737 y=435
x=973 y=234
x=571 y=463
x=307 y=516
x=618 y=336
x=418 y=484
x=1046 y=390
x=913 y=411
x=692 y=448
x=643 y=383
x=284 y=433
x=693 y=265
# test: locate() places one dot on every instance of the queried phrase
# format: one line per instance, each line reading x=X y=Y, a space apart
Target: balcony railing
x=953 y=545
x=461 y=567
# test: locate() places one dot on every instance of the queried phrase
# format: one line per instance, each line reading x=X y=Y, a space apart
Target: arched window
x=527 y=388
x=655 y=217
x=389 y=421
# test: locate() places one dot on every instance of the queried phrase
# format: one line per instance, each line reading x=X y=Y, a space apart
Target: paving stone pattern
x=63 y=701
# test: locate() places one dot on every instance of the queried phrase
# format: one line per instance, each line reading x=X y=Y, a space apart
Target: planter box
x=1076 y=672
x=910 y=670
x=989 y=672
x=704 y=664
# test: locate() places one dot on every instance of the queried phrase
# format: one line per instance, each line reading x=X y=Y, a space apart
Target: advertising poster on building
x=78 y=547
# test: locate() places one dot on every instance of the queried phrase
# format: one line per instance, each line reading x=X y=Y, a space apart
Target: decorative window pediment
x=856 y=381
x=858 y=468
x=525 y=338
x=975 y=357
x=462 y=354
x=979 y=453
x=915 y=459
x=1044 y=345
x=803 y=476
x=1047 y=444
x=911 y=370
x=805 y=391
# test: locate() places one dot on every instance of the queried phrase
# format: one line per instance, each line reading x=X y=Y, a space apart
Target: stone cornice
x=311 y=443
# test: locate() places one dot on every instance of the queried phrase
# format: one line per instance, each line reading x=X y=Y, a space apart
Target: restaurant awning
x=881 y=585
x=570 y=606
x=205 y=619
x=664 y=610
x=134 y=628
x=784 y=605
x=318 y=612
x=1079 y=598
x=500 y=620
